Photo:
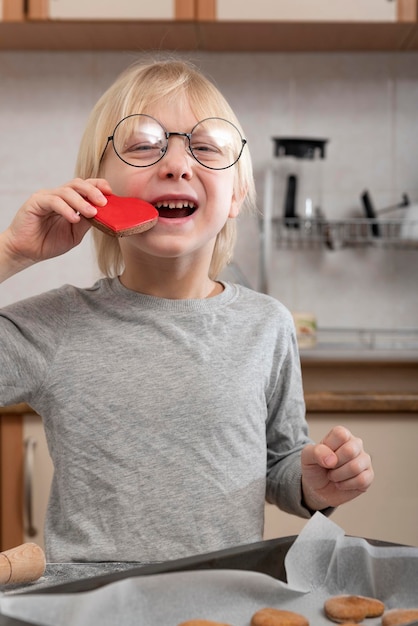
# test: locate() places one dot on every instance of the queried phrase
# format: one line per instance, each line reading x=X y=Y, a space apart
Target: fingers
x=337 y=447
x=357 y=476
x=51 y=222
x=336 y=470
x=73 y=199
x=349 y=465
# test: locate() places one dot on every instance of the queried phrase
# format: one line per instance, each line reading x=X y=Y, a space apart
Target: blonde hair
x=136 y=90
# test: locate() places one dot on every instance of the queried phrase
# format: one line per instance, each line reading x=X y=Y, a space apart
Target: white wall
x=366 y=104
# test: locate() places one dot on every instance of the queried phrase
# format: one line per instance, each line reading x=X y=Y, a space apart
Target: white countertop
x=353 y=344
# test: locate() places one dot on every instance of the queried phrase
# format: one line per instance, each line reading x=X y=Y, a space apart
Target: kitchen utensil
x=301 y=168
x=371 y=213
x=123 y=216
x=405 y=201
x=291 y=219
x=22 y=564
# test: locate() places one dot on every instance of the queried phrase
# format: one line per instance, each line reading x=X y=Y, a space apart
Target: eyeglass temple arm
x=110 y=138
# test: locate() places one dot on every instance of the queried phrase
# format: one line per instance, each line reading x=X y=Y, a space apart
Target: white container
x=409 y=228
x=306 y=328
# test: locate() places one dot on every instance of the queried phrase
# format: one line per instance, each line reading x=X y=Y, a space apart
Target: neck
x=171 y=283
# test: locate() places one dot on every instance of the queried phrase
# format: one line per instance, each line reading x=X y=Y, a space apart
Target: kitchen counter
x=346 y=354
x=363 y=345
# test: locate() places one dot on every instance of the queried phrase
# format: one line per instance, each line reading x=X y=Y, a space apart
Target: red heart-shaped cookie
x=123 y=216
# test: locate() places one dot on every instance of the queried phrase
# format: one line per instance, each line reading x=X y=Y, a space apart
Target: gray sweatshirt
x=169 y=422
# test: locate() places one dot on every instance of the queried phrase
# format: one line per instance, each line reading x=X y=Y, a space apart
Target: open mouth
x=175 y=209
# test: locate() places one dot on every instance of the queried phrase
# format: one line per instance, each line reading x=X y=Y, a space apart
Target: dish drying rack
x=317 y=232
x=301 y=233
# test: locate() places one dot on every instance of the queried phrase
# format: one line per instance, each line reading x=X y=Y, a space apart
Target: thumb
x=319 y=454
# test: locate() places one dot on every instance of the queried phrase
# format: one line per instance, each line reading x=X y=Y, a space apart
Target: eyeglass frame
x=173 y=134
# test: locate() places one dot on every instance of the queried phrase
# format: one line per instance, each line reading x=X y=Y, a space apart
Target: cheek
x=221 y=187
x=228 y=198
x=123 y=184
x=110 y=172
x=124 y=179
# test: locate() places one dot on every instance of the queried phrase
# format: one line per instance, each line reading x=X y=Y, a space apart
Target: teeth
x=175 y=205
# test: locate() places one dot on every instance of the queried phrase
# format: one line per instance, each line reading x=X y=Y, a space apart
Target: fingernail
x=329 y=460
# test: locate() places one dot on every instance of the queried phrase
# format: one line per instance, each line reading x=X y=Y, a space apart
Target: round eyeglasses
x=140 y=140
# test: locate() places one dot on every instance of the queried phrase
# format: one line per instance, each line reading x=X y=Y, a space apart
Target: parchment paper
x=320 y=563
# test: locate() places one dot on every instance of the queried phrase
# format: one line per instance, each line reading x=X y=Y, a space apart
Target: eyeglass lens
x=140 y=140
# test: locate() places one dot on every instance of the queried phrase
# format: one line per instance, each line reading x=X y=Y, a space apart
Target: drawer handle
x=29 y=463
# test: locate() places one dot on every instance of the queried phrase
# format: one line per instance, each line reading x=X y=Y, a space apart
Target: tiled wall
x=365 y=104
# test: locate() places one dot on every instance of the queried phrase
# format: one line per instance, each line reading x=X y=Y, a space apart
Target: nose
x=177 y=161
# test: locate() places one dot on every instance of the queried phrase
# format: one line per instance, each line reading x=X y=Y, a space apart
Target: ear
x=236 y=203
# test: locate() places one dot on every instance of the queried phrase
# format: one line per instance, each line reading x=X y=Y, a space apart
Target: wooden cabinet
x=12 y=10
x=308 y=25
x=125 y=25
x=25 y=477
x=11 y=479
x=210 y=25
x=111 y=10
x=221 y=10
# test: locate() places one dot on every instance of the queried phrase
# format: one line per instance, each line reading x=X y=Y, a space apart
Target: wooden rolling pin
x=22 y=564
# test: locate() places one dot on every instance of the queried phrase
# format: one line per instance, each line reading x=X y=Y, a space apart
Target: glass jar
x=300 y=178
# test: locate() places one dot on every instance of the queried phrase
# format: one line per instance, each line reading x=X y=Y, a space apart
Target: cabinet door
x=111 y=10
x=11 y=462
x=307 y=10
x=12 y=10
x=37 y=477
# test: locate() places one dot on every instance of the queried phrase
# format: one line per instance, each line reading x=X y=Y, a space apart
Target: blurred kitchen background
x=361 y=96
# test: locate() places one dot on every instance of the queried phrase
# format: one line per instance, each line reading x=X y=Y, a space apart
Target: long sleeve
x=286 y=430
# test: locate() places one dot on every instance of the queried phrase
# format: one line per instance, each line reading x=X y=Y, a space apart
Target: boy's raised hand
x=336 y=470
x=50 y=223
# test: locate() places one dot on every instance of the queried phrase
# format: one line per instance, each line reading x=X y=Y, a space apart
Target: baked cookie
x=346 y=608
x=123 y=216
x=398 y=617
x=201 y=622
x=278 y=617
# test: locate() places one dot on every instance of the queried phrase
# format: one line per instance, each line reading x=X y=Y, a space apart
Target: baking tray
x=266 y=557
